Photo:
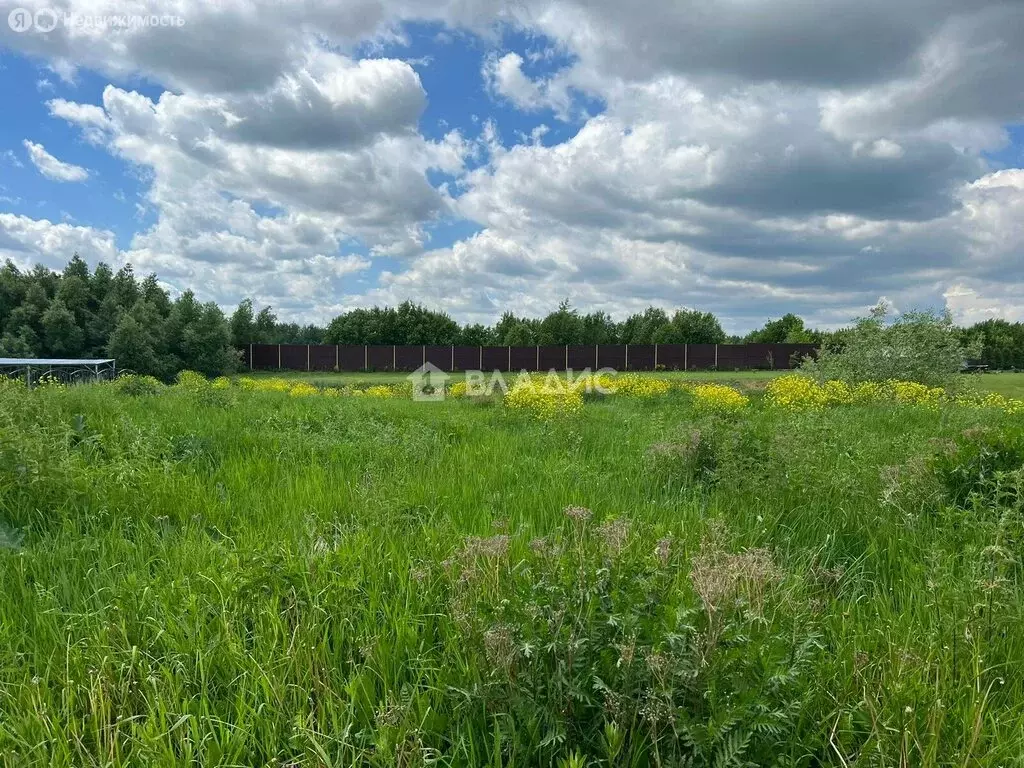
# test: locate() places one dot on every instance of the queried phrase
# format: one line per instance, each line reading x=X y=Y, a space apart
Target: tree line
x=81 y=314
x=101 y=313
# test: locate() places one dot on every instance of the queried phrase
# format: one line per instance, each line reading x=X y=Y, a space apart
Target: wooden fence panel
x=552 y=358
x=495 y=358
x=468 y=359
x=583 y=356
x=408 y=357
x=672 y=357
x=640 y=357
x=523 y=358
x=700 y=357
x=441 y=356
x=294 y=357
x=732 y=357
x=352 y=357
x=612 y=356
x=323 y=357
x=265 y=356
x=380 y=358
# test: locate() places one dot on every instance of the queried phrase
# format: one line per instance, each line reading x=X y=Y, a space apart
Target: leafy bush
x=975 y=465
x=607 y=640
x=685 y=461
x=190 y=381
x=135 y=385
x=919 y=346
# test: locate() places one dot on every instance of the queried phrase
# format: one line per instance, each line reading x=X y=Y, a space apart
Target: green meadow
x=1008 y=384
x=221 y=577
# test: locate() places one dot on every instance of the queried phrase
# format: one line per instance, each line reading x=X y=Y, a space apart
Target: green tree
x=522 y=334
x=133 y=347
x=475 y=335
x=243 y=329
x=76 y=268
x=22 y=343
x=415 y=324
x=1001 y=343
x=348 y=328
x=690 y=326
x=505 y=323
x=265 y=327
x=28 y=315
x=62 y=333
x=642 y=328
x=788 y=329
x=563 y=326
x=599 y=328
x=921 y=346
x=152 y=292
x=206 y=342
x=125 y=288
x=13 y=285
x=100 y=284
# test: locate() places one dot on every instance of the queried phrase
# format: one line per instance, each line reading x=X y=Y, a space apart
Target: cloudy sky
x=748 y=157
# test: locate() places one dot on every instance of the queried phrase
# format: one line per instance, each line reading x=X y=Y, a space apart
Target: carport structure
x=66 y=370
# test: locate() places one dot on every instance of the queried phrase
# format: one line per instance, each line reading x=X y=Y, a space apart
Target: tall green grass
x=248 y=579
x=1008 y=384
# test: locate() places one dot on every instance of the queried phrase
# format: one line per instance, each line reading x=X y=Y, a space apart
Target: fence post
x=337 y=357
x=424 y=355
x=686 y=357
x=481 y=364
x=366 y=358
x=307 y=358
x=453 y=359
x=567 y=357
x=627 y=357
x=655 y=357
x=716 y=357
x=279 y=357
x=394 y=358
x=509 y=357
x=250 y=355
x=537 y=366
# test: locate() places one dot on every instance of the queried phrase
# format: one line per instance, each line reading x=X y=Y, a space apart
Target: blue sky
x=481 y=158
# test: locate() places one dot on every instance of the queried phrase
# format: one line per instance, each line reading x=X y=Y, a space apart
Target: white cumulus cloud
x=51 y=167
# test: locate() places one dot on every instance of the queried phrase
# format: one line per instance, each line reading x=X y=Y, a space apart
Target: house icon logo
x=428 y=383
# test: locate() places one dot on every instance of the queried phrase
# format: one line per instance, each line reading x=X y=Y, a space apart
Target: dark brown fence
x=620 y=357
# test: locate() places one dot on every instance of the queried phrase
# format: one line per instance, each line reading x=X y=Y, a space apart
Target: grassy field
x=233 y=578
x=1009 y=384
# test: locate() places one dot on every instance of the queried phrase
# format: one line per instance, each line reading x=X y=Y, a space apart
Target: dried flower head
x=663 y=550
x=578 y=514
x=615 y=534
x=973 y=433
x=486 y=546
x=685 y=448
x=718 y=576
x=499 y=646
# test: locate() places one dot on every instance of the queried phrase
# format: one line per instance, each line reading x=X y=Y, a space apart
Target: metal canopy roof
x=51 y=361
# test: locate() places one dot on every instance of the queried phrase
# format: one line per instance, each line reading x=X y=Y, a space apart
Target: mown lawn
x=234 y=578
